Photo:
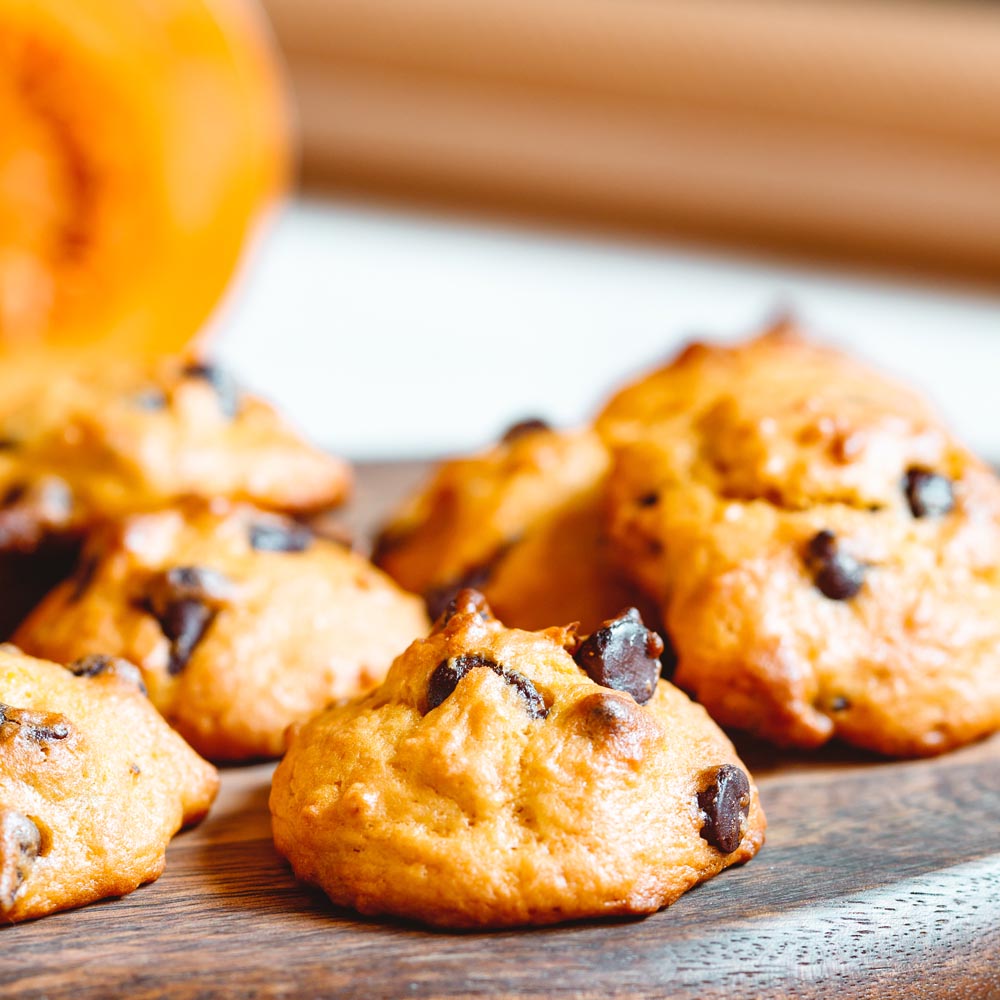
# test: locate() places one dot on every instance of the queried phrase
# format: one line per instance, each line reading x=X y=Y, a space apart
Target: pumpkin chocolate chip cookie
x=825 y=555
x=521 y=521
x=501 y=778
x=241 y=621
x=93 y=784
x=82 y=446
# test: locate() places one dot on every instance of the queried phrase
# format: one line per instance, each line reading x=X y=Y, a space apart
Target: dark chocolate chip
x=226 y=390
x=97 y=664
x=837 y=574
x=466 y=602
x=523 y=428
x=185 y=601
x=648 y=499
x=288 y=536
x=150 y=399
x=623 y=655
x=839 y=704
x=20 y=844
x=184 y=623
x=929 y=494
x=725 y=804
x=39 y=727
x=449 y=672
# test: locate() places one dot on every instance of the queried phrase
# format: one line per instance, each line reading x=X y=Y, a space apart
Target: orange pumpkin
x=140 y=141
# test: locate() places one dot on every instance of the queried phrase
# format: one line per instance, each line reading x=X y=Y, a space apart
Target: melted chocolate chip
x=725 y=804
x=185 y=601
x=648 y=499
x=98 y=664
x=226 y=390
x=466 y=602
x=928 y=494
x=184 y=623
x=272 y=536
x=837 y=574
x=39 y=727
x=449 y=672
x=523 y=428
x=20 y=844
x=623 y=655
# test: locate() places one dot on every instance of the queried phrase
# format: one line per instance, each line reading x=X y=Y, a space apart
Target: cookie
x=241 y=621
x=93 y=784
x=825 y=555
x=86 y=445
x=522 y=521
x=492 y=781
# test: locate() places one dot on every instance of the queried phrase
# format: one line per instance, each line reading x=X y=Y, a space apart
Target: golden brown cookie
x=81 y=446
x=523 y=522
x=825 y=555
x=93 y=784
x=241 y=621
x=491 y=782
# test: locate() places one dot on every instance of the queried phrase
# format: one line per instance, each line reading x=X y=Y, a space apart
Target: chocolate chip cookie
x=241 y=621
x=501 y=778
x=825 y=555
x=93 y=784
x=87 y=445
x=523 y=522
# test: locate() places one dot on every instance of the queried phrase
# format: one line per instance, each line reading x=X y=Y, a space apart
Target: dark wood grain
x=878 y=880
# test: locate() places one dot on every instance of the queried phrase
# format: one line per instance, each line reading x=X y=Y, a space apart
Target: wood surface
x=879 y=879
x=860 y=131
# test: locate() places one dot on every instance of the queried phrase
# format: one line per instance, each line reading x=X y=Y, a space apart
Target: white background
x=388 y=335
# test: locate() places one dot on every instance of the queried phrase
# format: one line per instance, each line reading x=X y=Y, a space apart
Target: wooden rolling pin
x=868 y=131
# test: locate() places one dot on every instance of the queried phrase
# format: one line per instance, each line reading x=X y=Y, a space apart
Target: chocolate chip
x=725 y=804
x=839 y=704
x=836 y=574
x=523 y=428
x=648 y=499
x=184 y=623
x=623 y=655
x=280 y=537
x=466 y=602
x=98 y=664
x=39 y=727
x=929 y=494
x=20 y=843
x=449 y=672
x=226 y=390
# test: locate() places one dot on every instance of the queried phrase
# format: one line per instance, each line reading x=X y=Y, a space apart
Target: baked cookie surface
x=93 y=784
x=523 y=522
x=241 y=621
x=490 y=781
x=87 y=445
x=825 y=555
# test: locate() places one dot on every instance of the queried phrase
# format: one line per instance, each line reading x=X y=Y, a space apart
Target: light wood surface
x=868 y=131
x=878 y=880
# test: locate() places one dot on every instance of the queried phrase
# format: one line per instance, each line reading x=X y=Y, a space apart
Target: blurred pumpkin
x=140 y=141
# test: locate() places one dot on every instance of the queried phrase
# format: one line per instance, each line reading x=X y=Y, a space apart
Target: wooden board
x=878 y=879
